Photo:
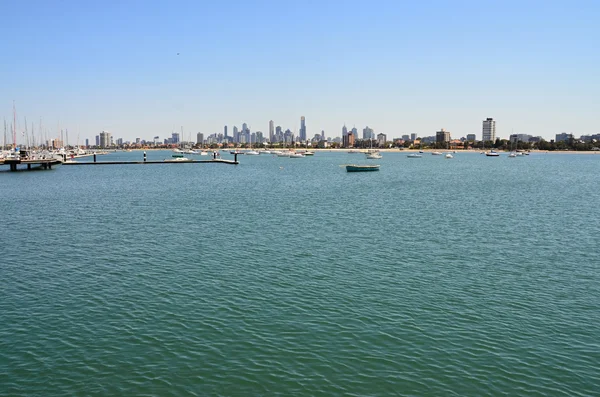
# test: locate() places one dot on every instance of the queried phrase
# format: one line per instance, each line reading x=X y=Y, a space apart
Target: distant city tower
x=489 y=130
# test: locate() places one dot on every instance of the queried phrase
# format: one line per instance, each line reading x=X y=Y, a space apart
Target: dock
x=38 y=163
x=234 y=162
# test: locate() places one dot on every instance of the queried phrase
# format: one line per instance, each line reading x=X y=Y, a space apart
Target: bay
x=469 y=276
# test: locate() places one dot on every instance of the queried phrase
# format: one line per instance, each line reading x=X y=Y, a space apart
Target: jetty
x=45 y=164
x=221 y=161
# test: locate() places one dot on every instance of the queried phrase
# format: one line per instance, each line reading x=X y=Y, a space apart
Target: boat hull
x=362 y=168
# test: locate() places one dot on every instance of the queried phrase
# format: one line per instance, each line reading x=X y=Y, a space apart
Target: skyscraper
x=271 y=131
x=442 y=136
x=200 y=137
x=413 y=136
x=175 y=138
x=344 y=131
x=302 y=129
x=225 y=131
x=368 y=133
x=489 y=129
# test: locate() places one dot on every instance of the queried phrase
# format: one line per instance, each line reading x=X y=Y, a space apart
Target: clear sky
x=146 y=68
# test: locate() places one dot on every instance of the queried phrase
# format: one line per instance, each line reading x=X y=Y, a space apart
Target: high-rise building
x=442 y=136
x=236 y=135
x=302 y=129
x=413 y=136
x=489 y=130
x=381 y=139
x=563 y=137
x=271 y=131
x=344 y=131
x=368 y=133
x=105 y=139
x=355 y=132
x=175 y=137
x=87 y=143
x=322 y=135
x=98 y=140
x=348 y=140
x=471 y=137
x=225 y=131
x=200 y=138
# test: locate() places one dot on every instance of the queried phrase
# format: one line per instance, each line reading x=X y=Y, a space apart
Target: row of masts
x=30 y=139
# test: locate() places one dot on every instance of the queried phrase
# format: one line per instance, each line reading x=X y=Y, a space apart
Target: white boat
x=252 y=153
x=436 y=153
x=283 y=154
x=374 y=155
x=492 y=153
x=307 y=153
x=203 y=153
x=266 y=152
x=448 y=156
x=177 y=158
x=512 y=154
x=414 y=156
x=296 y=155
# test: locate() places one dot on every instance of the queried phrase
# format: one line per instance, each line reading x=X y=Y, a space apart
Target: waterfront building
x=514 y=138
x=563 y=137
x=288 y=137
x=97 y=140
x=348 y=140
x=137 y=141
x=271 y=131
x=442 y=136
x=489 y=130
x=105 y=139
x=381 y=139
x=471 y=137
x=413 y=136
x=175 y=138
x=87 y=143
x=302 y=136
x=406 y=138
x=120 y=141
x=368 y=133
x=200 y=138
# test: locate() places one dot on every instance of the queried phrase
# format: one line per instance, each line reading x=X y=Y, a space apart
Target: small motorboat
x=492 y=153
x=361 y=168
x=448 y=156
x=414 y=156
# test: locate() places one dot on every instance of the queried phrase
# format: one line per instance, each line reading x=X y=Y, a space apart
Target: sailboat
x=371 y=154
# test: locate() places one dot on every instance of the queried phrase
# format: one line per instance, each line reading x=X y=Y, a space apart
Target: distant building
x=225 y=131
x=271 y=131
x=344 y=131
x=175 y=137
x=87 y=143
x=471 y=137
x=200 y=138
x=514 y=138
x=302 y=136
x=368 y=133
x=489 y=130
x=348 y=140
x=97 y=140
x=413 y=136
x=442 y=136
x=105 y=139
x=323 y=135
x=381 y=139
x=564 y=137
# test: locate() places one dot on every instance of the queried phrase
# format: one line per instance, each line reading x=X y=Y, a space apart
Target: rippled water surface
x=471 y=276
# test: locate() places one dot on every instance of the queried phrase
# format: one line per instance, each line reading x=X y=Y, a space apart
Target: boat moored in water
x=361 y=168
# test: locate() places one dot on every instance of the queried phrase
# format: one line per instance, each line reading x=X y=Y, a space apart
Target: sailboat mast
x=4 y=142
x=14 y=126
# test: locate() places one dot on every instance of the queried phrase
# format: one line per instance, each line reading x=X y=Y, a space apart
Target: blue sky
x=399 y=67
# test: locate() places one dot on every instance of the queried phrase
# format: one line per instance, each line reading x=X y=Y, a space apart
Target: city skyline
x=415 y=69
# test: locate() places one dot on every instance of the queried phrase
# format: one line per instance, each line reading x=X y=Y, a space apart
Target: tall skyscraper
x=200 y=137
x=97 y=140
x=322 y=135
x=302 y=129
x=344 y=131
x=175 y=138
x=225 y=131
x=368 y=133
x=413 y=136
x=489 y=129
x=271 y=131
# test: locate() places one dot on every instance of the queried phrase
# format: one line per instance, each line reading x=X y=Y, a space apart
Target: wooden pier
x=40 y=163
x=151 y=162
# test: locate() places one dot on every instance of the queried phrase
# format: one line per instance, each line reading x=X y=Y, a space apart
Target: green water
x=471 y=276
